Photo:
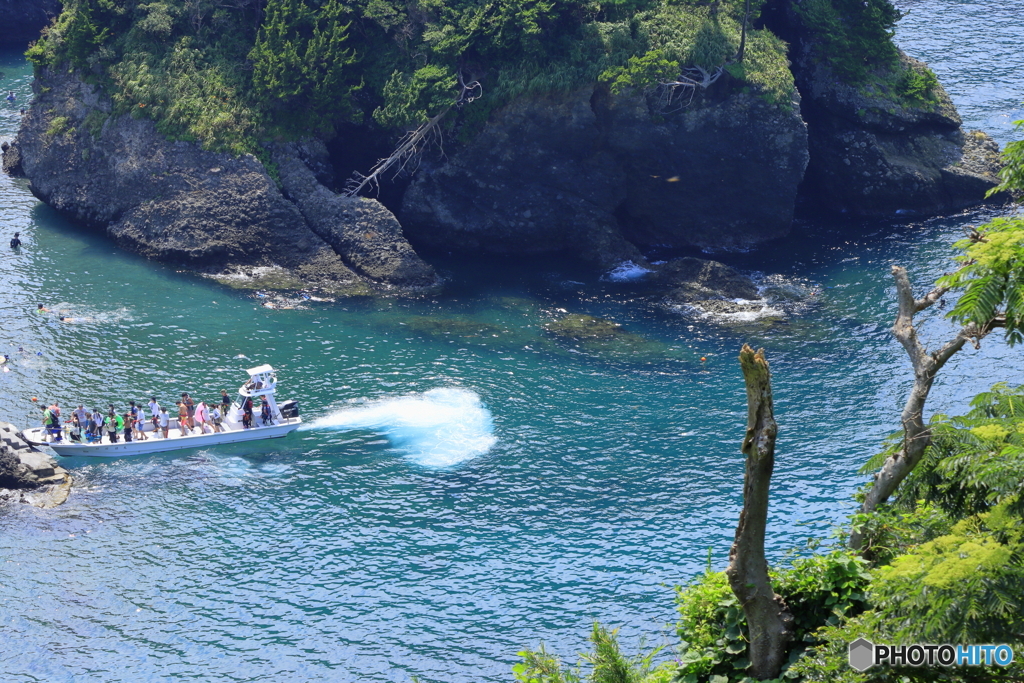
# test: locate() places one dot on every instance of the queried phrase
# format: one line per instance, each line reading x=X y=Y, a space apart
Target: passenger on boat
x=154 y=410
x=265 y=413
x=247 y=412
x=190 y=407
x=75 y=432
x=201 y=417
x=140 y=424
x=215 y=418
x=97 y=423
x=82 y=414
x=110 y=423
x=183 y=418
x=127 y=426
x=51 y=424
x=225 y=401
x=133 y=416
x=165 y=421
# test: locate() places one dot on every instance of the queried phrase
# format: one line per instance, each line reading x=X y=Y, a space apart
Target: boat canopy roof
x=259 y=369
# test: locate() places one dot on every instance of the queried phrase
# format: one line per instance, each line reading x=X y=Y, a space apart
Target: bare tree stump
x=769 y=621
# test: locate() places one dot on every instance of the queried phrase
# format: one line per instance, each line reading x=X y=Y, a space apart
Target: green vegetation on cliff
x=231 y=74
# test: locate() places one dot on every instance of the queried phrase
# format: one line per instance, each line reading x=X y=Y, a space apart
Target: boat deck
x=231 y=432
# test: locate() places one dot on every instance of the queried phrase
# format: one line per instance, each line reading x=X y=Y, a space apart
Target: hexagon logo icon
x=862 y=654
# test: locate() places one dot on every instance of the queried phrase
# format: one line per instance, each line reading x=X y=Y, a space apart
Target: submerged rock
x=583 y=326
x=455 y=327
x=694 y=279
x=605 y=338
x=28 y=475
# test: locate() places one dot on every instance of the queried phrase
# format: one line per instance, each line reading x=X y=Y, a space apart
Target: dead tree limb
x=769 y=621
x=410 y=147
x=689 y=81
x=407 y=151
x=916 y=432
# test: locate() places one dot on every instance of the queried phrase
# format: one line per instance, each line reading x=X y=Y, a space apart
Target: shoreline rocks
x=28 y=475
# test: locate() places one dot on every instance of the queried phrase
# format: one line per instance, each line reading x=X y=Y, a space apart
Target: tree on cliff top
x=232 y=74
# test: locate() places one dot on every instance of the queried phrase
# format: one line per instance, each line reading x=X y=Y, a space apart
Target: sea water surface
x=466 y=485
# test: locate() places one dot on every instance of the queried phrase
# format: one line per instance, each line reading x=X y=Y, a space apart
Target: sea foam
x=438 y=428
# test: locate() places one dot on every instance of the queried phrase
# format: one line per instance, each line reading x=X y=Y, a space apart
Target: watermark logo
x=864 y=654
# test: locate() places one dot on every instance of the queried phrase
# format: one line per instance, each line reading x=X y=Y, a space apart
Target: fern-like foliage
x=991 y=277
x=975 y=462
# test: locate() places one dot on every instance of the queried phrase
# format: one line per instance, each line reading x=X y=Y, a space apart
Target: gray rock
x=592 y=174
x=361 y=230
x=720 y=174
x=535 y=180
x=873 y=152
x=28 y=475
x=693 y=279
x=175 y=202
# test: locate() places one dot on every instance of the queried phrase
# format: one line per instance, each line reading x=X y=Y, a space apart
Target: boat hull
x=154 y=444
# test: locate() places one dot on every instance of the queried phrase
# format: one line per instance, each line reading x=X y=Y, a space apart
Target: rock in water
x=361 y=230
x=875 y=148
x=29 y=475
x=175 y=202
x=694 y=279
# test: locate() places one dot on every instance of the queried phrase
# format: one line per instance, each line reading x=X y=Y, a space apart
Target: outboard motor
x=289 y=409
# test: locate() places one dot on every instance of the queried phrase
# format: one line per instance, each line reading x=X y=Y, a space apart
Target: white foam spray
x=626 y=272
x=438 y=428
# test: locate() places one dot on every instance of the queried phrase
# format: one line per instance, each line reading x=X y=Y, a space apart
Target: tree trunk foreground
x=769 y=621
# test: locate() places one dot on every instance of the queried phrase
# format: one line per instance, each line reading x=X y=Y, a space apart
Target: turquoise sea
x=467 y=485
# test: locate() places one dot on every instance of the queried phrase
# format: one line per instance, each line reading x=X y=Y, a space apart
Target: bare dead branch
x=671 y=94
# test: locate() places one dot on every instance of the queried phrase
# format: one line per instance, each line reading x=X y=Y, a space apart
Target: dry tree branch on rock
x=670 y=94
x=409 y=150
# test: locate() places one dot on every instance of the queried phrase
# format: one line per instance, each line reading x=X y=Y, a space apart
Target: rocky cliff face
x=595 y=174
x=175 y=202
x=875 y=152
x=873 y=157
x=22 y=20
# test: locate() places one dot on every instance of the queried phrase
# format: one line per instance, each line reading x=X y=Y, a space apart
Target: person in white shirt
x=97 y=423
x=154 y=411
x=82 y=414
x=165 y=421
x=215 y=417
x=140 y=424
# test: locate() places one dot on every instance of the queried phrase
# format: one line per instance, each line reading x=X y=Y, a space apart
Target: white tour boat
x=262 y=384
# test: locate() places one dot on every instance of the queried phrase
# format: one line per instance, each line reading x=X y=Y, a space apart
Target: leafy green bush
x=59 y=125
x=918 y=85
x=232 y=77
x=819 y=590
x=854 y=37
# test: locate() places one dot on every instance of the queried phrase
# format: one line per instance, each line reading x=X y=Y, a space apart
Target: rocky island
x=223 y=141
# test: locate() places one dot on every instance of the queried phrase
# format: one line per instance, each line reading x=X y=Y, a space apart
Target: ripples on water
x=588 y=476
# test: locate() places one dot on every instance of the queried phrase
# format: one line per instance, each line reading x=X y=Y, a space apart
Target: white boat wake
x=438 y=428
